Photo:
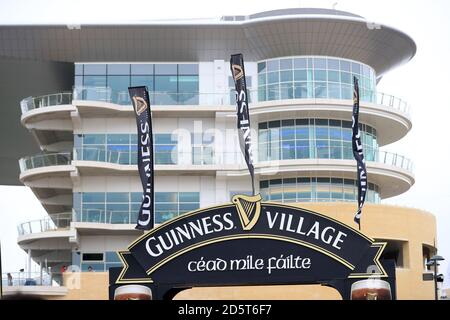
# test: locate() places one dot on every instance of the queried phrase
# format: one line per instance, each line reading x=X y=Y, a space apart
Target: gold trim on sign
x=376 y=260
x=124 y=270
x=251 y=236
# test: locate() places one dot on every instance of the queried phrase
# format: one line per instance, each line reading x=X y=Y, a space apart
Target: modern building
x=299 y=65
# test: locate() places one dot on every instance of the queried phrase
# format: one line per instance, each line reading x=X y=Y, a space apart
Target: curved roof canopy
x=286 y=32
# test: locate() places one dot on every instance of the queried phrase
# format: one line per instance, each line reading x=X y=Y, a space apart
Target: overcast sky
x=424 y=83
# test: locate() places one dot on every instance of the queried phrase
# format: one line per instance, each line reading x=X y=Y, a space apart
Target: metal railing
x=206 y=156
x=202 y=156
x=107 y=94
x=16 y=279
x=44 y=160
x=337 y=153
x=105 y=216
x=51 y=223
x=118 y=217
x=48 y=100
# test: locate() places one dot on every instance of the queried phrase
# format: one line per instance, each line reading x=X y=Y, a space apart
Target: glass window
x=141 y=69
x=273 y=65
x=345 y=66
x=118 y=69
x=320 y=75
x=346 y=92
x=94 y=81
x=166 y=196
x=119 y=89
x=286 y=76
x=333 y=64
x=273 y=92
x=94 y=197
x=188 y=69
x=261 y=67
x=117 y=197
x=118 y=139
x=320 y=89
x=314 y=77
x=302 y=91
x=79 y=69
x=286 y=64
x=188 y=87
x=300 y=63
x=166 y=83
x=95 y=89
x=313 y=189
x=301 y=75
x=144 y=81
x=273 y=77
x=94 y=139
x=166 y=69
x=334 y=91
x=320 y=63
x=136 y=197
x=94 y=69
x=334 y=76
x=286 y=91
x=189 y=197
x=78 y=82
x=166 y=90
x=188 y=84
x=262 y=79
x=356 y=68
x=311 y=138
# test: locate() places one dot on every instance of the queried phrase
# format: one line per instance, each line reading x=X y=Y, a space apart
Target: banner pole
x=242 y=112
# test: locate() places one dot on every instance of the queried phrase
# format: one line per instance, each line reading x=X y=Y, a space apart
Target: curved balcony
x=224 y=158
x=107 y=94
x=340 y=153
x=44 y=160
x=44 y=101
x=53 y=223
x=209 y=157
x=388 y=114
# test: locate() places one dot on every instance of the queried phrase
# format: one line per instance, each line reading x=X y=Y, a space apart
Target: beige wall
x=86 y=286
x=413 y=226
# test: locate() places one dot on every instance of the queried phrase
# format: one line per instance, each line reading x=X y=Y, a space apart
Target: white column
x=41 y=273
x=29 y=263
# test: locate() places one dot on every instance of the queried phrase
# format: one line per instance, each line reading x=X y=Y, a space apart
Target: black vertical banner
x=358 y=153
x=243 y=116
x=141 y=105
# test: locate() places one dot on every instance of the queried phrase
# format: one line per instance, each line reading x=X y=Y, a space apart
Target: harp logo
x=249 y=209
x=139 y=105
x=238 y=73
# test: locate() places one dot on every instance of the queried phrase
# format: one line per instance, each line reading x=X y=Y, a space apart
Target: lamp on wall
x=434 y=261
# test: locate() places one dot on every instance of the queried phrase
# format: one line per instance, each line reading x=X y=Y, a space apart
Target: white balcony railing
x=50 y=223
x=107 y=94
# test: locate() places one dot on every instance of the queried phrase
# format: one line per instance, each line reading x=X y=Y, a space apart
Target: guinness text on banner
x=358 y=153
x=243 y=116
x=141 y=105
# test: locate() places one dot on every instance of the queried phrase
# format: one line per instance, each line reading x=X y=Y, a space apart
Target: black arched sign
x=249 y=242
